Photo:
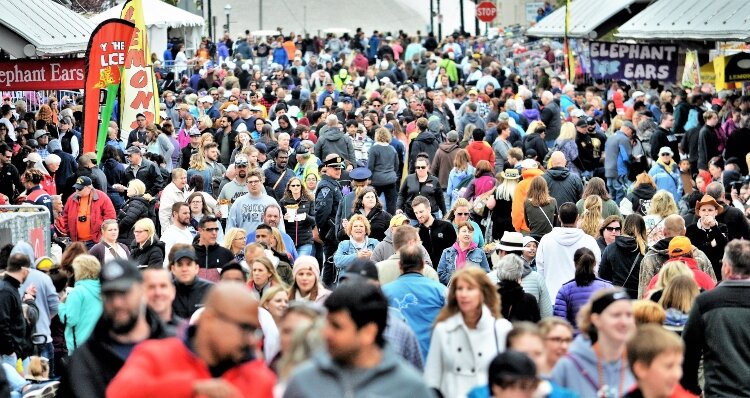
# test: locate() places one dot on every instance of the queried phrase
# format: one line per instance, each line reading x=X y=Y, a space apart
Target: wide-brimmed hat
x=709 y=200
x=510 y=242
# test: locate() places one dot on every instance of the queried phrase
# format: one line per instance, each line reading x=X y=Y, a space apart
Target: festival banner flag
x=691 y=75
x=105 y=57
x=570 y=62
x=139 y=93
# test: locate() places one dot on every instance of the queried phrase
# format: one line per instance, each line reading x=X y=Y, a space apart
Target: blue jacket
x=347 y=253
x=80 y=312
x=565 y=102
x=47 y=300
x=571 y=297
x=419 y=299
x=617 y=151
x=280 y=56
x=447 y=264
x=668 y=180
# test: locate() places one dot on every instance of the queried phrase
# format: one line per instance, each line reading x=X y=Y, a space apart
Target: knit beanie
x=306 y=262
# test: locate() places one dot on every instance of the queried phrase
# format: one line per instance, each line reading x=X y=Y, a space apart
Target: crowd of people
x=392 y=216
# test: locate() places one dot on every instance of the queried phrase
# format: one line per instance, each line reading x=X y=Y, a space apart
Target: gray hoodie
x=47 y=299
x=578 y=372
x=333 y=140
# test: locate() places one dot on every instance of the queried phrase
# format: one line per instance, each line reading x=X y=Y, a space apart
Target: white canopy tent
x=586 y=18
x=159 y=17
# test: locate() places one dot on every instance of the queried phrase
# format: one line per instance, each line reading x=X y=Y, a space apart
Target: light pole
x=227 y=11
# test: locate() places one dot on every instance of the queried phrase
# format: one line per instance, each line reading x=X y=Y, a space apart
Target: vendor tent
x=159 y=17
x=690 y=20
x=33 y=28
x=588 y=18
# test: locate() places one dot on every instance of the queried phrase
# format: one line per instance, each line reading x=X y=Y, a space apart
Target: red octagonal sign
x=486 y=11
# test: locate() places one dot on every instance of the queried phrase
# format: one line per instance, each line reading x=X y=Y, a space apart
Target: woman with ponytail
x=596 y=364
x=574 y=294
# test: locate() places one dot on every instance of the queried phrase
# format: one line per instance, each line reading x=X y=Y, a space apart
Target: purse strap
x=632 y=267
x=545 y=216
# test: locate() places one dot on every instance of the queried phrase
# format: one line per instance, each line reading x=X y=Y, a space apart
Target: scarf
x=461 y=257
x=668 y=166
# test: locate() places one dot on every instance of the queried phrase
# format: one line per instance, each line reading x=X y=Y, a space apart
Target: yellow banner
x=719 y=65
x=139 y=91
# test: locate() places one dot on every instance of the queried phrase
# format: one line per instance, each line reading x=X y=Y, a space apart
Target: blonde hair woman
x=263 y=276
x=204 y=124
x=591 y=221
x=662 y=205
x=80 y=310
x=146 y=248
x=276 y=300
x=504 y=194
x=677 y=300
x=136 y=208
x=359 y=244
x=566 y=143
x=234 y=240
x=469 y=323
x=668 y=271
x=459 y=177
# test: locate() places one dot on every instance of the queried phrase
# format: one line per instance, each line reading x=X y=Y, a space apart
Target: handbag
x=479 y=205
x=632 y=267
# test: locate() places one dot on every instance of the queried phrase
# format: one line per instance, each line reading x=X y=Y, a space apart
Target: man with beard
x=177 y=231
x=238 y=186
x=125 y=322
x=272 y=218
x=216 y=358
x=278 y=175
x=212 y=162
x=355 y=361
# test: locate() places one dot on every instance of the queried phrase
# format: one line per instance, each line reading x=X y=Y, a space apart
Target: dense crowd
x=382 y=216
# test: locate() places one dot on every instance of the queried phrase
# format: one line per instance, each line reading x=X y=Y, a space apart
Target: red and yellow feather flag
x=105 y=57
x=139 y=91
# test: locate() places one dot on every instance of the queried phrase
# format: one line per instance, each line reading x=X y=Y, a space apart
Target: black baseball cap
x=82 y=182
x=184 y=253
x=362 y=268
x=119 y=275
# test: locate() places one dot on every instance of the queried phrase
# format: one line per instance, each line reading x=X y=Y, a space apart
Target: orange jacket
x=167 y=368
x=522 y=191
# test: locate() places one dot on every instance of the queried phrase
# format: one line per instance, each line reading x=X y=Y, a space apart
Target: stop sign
x=486 y=11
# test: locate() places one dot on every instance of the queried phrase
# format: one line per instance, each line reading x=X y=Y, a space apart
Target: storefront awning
x=690 y=20
x=32 y=28
x=586 y=17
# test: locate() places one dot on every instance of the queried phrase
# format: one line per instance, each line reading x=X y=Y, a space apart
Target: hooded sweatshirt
x=578 y=371
x=563 y=185
x=47 y=299
x=637 y=201
x=554 y=257
x=424 y=142
x=470 y=118
x=621 y=264
x=333 y=140
x=81 y=312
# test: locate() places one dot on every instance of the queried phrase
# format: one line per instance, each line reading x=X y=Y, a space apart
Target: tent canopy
x=585 y=17
x=159 y=17
x=157 y=13
x=42 y=28
x=690 y=20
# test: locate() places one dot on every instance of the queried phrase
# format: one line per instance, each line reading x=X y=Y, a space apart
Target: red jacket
x=101 y=209
x=701 y=278
x=48 y=184
x=167 y=368
x=481 y=150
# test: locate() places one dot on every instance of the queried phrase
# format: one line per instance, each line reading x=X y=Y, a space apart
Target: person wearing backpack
x=460 y=176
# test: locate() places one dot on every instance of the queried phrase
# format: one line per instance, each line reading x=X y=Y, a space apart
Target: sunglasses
x=420 y=167
x=462 y=214
x=295 y=186
x=613 y=229
x=215 y=229
x=666 y=154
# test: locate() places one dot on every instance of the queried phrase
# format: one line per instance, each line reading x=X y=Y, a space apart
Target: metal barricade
x=27 y=223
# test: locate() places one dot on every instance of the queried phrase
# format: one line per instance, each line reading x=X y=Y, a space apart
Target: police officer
x=360 y=178
x=327 y=201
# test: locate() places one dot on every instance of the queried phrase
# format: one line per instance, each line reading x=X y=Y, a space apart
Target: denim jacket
x=447 y=264
x=347 y=253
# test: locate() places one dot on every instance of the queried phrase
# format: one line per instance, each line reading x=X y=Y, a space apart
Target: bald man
x=217 y=359
x=564 y=185
x=674 y=225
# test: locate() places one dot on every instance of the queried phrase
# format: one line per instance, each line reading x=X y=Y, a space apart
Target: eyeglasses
x=560 y=340
x=377 y=105
x=462 y=214
x=613 y=229
x=420 y=167
x=214 y=229
x=242 y=238
x=253 y=182
x=139 y=231
x=247 y=328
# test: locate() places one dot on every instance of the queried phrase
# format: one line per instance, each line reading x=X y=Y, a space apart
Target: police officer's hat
x=360 y=174
x=337 y=162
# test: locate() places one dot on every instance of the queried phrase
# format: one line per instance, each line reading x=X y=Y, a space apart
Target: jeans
x=305 y=250
x=391 y=195
x=48 y=351
x=617 y=187
x=16 y=382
